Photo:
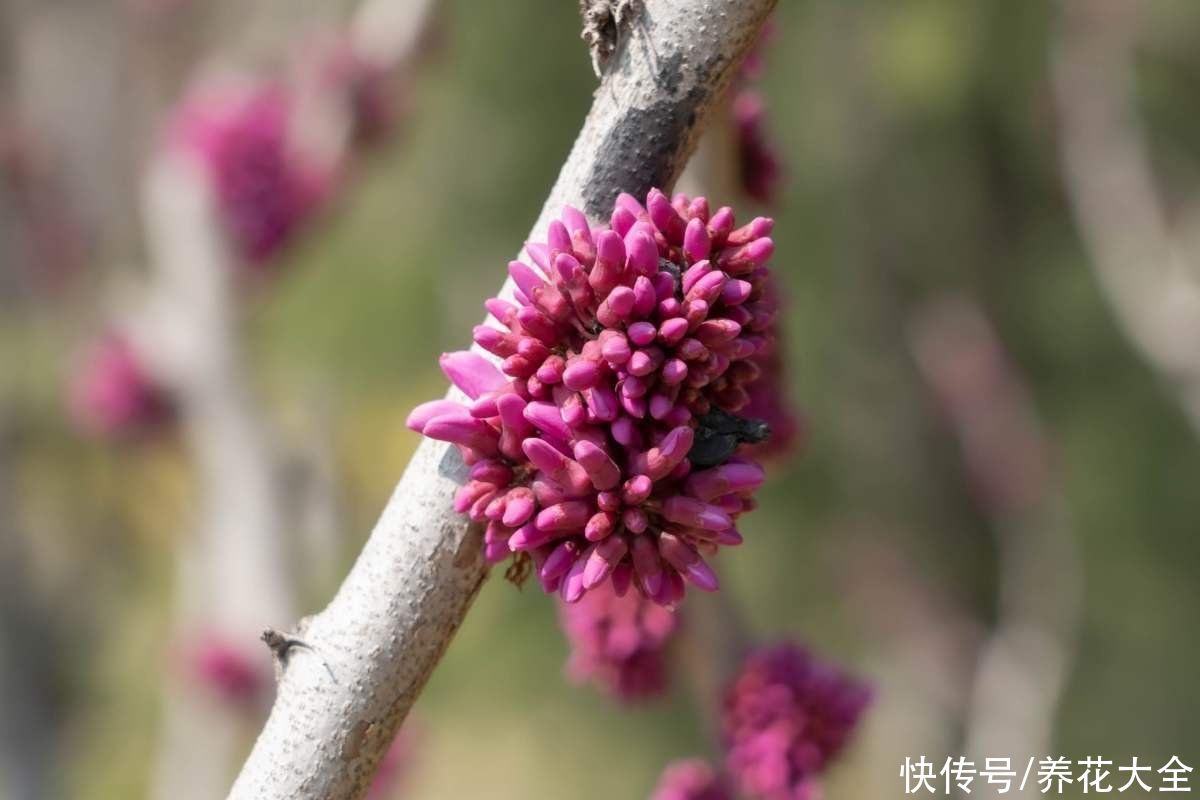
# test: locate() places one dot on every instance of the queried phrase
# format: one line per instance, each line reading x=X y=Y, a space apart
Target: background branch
x=237 y=569
x=373 y=648
x=1139 y=263
x=1024 y=662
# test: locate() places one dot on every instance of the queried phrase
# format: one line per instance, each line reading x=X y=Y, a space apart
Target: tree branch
x=1024 y=664
x=1138 y=261
x=373 y=648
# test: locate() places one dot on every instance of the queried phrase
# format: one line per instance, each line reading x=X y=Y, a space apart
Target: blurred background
x=988 y=237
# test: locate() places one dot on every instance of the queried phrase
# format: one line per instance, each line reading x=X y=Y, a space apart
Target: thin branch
x=1024 y=663
x=1110 y=184
x=236 y=570
x=387 y=627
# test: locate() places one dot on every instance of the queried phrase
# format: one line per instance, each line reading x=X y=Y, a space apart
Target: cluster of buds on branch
x=784 y=717
x=605 y=446
x=272 y=151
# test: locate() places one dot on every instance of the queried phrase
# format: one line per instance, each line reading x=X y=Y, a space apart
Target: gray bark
x=343 y=695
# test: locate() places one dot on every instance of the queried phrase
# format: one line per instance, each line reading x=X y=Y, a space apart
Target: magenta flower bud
x=694 y=779
x=422 y=414
x=646 y=565
x=601 y=469
x=679 y=416
x=529 y=537
x=622 y=221
x=502 y=310
x=536 y=324
x=636 y=490
x=494 y=341
x=485 y=406
x=572 y=588
x=664 y=284
x=467 y=494
x=695 y=311
x=697 y=244
x=569 y=516
x=641 y=363
x=715 y=332
x=602 y=402
x=610 y=261
x=690 y=564
x=462 y=428
x=644 y=296
x=540 y=254
x=661 y=405
x=641 y=252
x=495 y=552
x=575 y=220
x=551 y=370
x=558 y=237
x=518 y=366
x=614 y=347
x=665 y=218
x=669 y=308
x=471 y=373
x=758 y=228
x=641 y=333
x=633 y=386
x=573 y=411
x=747 y=257
x=546 y=418
x=695 y=514
x=690 y=349
x=708 y=287
x=720 y=225
x=560 y=560
x=526 y=279
x=600 y=525
x=631 y=204
x=617 y=306
x=626 y=432
x=520 y=507
x=635 y=520
x=735 y=292
x=581 y=374
x=674 y=371
x=494 y=472
x=694 y=274
x=635 y=407
x=608 y=501
x=600 y=563
x=563 y=471
x=672 y=331
x=726 y=479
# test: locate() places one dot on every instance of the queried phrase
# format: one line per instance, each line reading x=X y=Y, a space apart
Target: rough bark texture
x=369 y=653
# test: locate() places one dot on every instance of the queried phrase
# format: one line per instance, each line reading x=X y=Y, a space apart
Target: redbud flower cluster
x=619 y=642
x=604 y=446
x=759 y=163
x=784 y=717
x=265 y=188
x=113 y=394
x=691 y=779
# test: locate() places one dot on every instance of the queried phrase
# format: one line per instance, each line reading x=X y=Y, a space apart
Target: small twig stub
x=602 y=21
